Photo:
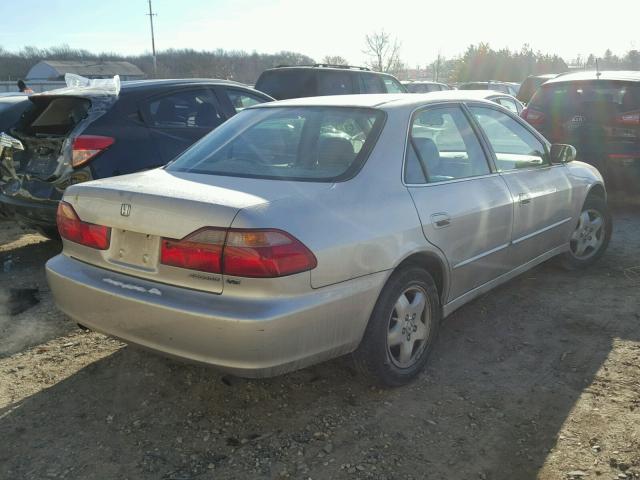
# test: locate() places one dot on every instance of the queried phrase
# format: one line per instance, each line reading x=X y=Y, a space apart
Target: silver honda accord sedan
x=311 y=228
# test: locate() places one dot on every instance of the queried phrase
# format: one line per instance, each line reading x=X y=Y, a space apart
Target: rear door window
x=334 y=82
x=185 y=109
x=443 y=146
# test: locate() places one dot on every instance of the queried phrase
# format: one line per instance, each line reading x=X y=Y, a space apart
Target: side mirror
x=561 y=153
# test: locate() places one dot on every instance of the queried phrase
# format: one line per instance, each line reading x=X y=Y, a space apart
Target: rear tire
x=49 y=232
x=402 y=329
x=591 y=237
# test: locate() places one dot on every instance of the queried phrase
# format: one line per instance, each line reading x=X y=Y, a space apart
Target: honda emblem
x=125 y=209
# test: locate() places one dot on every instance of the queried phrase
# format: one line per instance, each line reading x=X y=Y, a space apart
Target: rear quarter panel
x=364 y=225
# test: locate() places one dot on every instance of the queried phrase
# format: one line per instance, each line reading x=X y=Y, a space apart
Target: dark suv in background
x=321 y=79
x=78 y=134
x=599 y=114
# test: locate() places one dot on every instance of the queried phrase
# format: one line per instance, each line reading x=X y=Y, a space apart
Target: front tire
x=591 y=237
x=402 y=329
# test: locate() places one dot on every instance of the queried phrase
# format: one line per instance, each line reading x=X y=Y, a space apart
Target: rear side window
x=241 y=99
x=443 y=146
x=392 y=85
x=56 y=116
x=186 y=109
x=515 y=146
x=334 y=82
x=303 y=143
x=288 y=83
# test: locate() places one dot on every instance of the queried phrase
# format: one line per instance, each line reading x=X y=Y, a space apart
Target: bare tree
x=384 y=54
x=335 y=60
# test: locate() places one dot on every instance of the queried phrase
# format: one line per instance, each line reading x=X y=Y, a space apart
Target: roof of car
x=633 y=76
x=374 y=100
x=177 y=81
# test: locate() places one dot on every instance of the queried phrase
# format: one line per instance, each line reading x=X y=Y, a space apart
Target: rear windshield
x=283 y=84
x=290 y=143
x=595 y=96
x=55 y=116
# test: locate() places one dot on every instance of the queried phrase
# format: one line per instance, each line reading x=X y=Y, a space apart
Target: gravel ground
x=539 y=379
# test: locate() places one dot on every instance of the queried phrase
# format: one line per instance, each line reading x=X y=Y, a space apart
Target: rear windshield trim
x=351 y=172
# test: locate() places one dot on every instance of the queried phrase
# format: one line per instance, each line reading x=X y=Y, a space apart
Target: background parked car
x=504 y=87
x=531 y=84
x=71 y=136
x=321 y=79
x=599 y=114
x=425 y=86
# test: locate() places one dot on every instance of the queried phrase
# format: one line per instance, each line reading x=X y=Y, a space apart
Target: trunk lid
x=143 y=208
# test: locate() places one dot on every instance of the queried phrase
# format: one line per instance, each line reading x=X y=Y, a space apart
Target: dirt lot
x=538 y=379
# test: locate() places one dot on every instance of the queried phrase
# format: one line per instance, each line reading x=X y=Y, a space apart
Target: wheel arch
x=432 y=263
x=597 y=190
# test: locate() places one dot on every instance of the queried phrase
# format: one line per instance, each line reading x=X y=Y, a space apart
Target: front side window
x=187 y=109
x=302 y=143
x=443 y=146
x=241 y=100
x=515 y=146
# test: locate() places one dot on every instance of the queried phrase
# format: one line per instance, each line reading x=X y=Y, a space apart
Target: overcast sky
x=326 y=27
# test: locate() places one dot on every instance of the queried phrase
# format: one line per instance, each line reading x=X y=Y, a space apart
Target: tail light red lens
x=202 y=250
x=534 y=117
x=242 y=253
x=86 y=147
x=629 y=118
x=265 y=253
x=88 y=234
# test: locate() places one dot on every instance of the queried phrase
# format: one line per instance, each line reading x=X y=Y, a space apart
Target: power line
x=153 y=40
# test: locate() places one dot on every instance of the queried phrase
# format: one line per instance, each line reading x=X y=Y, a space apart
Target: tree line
x=184 y=63
x=478 y=63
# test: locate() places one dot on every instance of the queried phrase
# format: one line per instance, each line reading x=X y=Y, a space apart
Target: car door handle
x=440 y=220
x=524 y=198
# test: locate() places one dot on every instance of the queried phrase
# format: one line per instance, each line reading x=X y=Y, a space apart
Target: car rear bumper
x=253 y=337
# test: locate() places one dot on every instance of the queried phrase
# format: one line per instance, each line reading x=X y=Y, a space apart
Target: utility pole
x=153 y=40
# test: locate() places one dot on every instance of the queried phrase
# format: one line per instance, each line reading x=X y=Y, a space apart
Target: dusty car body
x=311 y=228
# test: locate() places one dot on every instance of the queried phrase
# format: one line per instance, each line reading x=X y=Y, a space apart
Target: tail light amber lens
x=265 y=253
x=73 y=229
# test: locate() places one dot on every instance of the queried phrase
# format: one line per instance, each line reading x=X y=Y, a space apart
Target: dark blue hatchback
x=74 y=135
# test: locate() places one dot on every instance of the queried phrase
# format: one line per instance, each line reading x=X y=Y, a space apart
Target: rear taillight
x=628 y=118
x=265 y=253
x=72 y=228
x=534 y=117
x=239 y=252
x=86 y=147
x=202 y=250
